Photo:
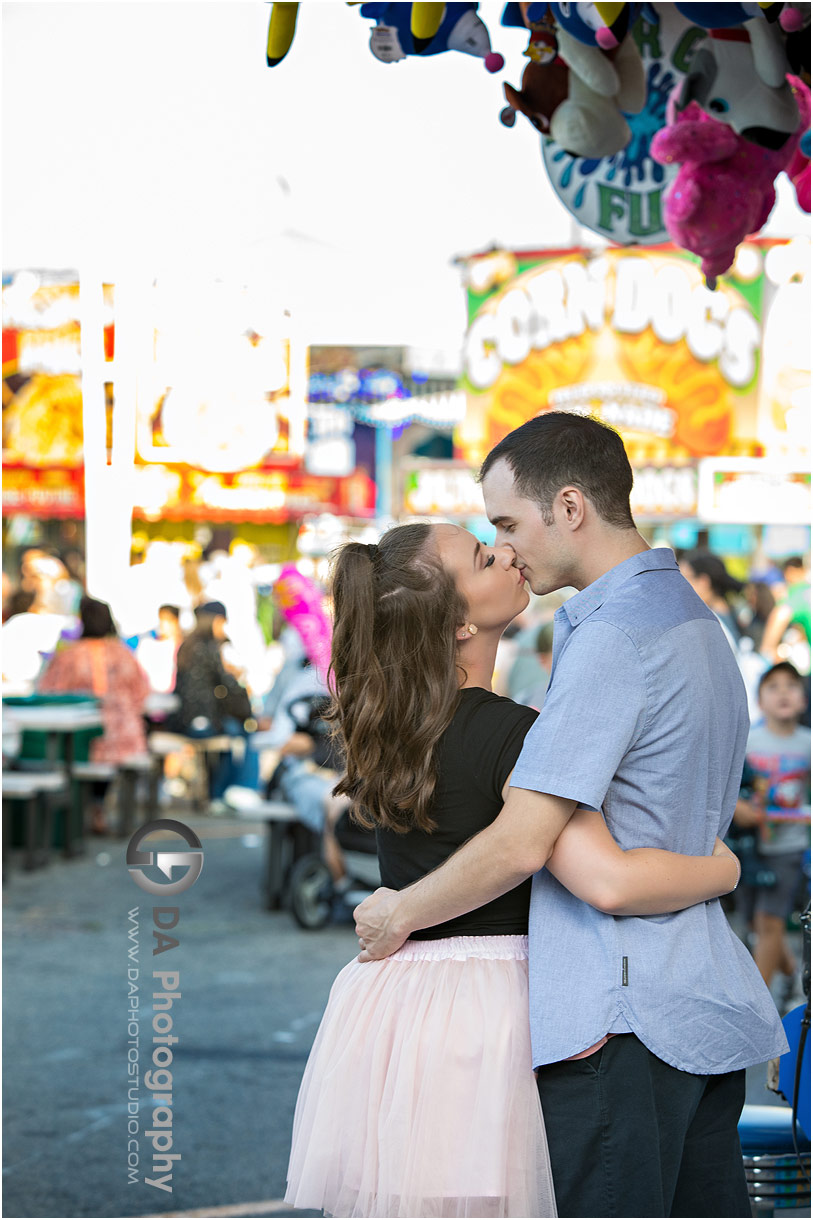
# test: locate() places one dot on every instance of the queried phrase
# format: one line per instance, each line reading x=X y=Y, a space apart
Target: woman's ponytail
x=393 y=674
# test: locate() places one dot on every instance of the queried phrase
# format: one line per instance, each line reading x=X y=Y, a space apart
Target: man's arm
x=516 y=845
x=593 y=713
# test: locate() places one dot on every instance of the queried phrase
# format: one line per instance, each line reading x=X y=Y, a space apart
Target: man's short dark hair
x=559 y=448
x=782 y=667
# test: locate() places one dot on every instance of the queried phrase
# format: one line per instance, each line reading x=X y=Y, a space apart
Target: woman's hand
x=377 y=925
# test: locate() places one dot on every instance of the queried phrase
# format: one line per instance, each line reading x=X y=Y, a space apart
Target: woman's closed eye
x=489 y=561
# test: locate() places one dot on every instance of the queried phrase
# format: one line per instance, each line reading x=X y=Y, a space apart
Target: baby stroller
x=312 y=893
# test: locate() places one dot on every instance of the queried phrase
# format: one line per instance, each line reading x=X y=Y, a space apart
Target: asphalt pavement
x=252 y=989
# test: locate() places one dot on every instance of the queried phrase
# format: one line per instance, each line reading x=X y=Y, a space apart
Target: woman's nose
x=506 y=554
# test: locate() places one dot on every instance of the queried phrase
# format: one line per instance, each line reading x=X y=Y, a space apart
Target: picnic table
x=59 y=723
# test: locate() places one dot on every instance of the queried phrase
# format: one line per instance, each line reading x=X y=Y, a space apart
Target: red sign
x=43 y=493
x=175 y=493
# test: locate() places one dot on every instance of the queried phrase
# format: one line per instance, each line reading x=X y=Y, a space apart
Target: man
x=641 y=1027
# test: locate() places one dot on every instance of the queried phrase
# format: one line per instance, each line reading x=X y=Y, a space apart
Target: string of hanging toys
x=658 y=122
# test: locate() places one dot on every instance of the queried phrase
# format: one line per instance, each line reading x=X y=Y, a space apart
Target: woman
x=100 y=663
x=214 y=702
x=759 y=603
x=715 y=586
x=419 y=1097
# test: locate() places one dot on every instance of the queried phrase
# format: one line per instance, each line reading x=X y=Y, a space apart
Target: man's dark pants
x=631 y=1136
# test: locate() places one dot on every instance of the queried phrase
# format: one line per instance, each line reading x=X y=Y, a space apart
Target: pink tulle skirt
x=419 y=1097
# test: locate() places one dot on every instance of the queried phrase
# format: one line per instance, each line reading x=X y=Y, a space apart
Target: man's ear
x=571 y=503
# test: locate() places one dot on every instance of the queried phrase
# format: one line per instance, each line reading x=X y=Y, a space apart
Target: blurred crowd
x=765 y=619
x=239 y=649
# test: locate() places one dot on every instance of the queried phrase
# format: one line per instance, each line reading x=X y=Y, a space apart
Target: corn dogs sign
x=633 y=337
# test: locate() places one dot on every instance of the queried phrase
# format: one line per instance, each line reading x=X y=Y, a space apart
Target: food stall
x=43 y=476
x=687 y=375
x=211 y=431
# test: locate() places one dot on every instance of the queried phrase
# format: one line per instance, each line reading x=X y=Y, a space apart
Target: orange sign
x=632 y=336
x=42 y=364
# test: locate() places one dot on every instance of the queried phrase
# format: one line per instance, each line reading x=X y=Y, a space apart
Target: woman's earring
x=472 y=630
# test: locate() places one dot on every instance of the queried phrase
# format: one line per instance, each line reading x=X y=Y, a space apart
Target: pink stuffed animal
x=799 y=171
x=724 y=190
x=300 y=601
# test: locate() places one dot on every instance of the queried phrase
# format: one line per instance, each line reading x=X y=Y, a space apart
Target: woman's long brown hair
x=393 y=673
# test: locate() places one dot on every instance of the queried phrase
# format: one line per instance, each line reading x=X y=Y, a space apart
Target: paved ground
x=252 y=985
x=252 y=990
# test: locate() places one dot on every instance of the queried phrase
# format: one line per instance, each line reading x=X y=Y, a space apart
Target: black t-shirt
x=475 y=757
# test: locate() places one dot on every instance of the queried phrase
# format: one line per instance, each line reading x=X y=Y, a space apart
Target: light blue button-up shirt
x=646 y=719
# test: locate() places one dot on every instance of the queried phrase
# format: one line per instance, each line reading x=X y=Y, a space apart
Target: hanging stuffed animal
x=618 y=21
x=589 y=122
x=281 y=29
x=799 y=172
x=302 y=605
x=424 y=23
x=724 y=189
x=545 y=80
x=603 y=86
x=461 y=29
x=596 y=25
x=794 y=21
x=738 y=76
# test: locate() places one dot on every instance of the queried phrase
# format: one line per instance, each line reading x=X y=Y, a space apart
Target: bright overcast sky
x=154 y=132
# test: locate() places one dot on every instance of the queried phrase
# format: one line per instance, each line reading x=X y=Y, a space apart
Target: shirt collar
x=583 y=604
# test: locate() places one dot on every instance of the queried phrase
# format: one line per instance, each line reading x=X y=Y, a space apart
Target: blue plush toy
x=596 y=25
x=460 y=30
x=602 y=88
x=725 y=16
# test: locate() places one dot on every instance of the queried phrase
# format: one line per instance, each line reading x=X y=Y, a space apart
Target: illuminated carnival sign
x=635 y=338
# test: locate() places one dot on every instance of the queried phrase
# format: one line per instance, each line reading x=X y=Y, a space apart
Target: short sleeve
x=494 y=732
x=594 y=711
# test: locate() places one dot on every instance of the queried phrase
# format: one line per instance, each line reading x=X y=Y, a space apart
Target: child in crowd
x=157 y=653
x=775 y=801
